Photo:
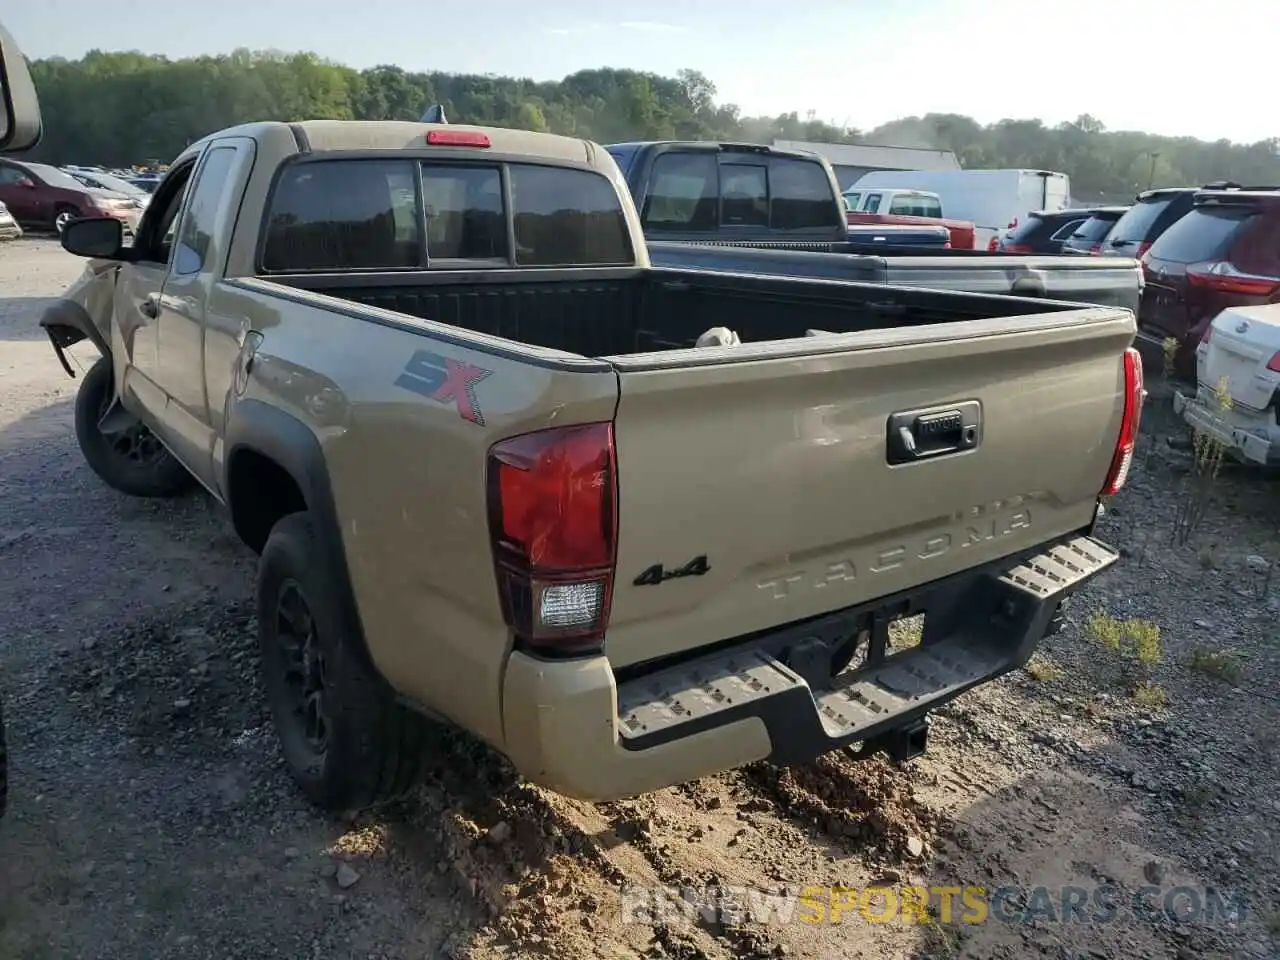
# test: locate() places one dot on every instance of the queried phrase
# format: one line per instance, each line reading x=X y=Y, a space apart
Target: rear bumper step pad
x=1003 y=620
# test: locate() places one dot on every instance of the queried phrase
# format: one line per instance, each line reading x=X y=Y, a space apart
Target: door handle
x=150 y=307
x=936 y=431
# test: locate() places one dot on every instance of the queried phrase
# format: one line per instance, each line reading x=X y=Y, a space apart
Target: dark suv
x=1042 y=231
x=1153 y=212
x=1225 y=252
x=1089 y=236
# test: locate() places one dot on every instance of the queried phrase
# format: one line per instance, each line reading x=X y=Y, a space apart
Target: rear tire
x=131 y=460
x=347 y=742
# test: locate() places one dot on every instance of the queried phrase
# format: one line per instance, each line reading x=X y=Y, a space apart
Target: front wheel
x=64 y=216
x=345 y=739
x=125 y=453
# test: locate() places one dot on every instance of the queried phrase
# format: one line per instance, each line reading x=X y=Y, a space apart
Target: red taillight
x=1129 y=422
x=1023 y=248
x=1143 y=247
x=1095 y=250
x=1274 y=363
x=1013 y=223
x=552 y=520
x=1221 y=276
x=457 y=138
x=993 y=244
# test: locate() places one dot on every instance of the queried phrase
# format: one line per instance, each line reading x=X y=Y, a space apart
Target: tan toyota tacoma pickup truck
x=493 y=478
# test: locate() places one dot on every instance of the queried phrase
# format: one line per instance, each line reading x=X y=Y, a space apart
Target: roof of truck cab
x=333 y=135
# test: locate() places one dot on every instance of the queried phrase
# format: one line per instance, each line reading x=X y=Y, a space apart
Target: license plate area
x=827 y=662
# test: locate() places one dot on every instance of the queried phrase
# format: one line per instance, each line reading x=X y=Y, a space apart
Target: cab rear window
x=375 y=214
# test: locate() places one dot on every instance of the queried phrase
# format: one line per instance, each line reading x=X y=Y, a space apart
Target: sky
x=1135 y=65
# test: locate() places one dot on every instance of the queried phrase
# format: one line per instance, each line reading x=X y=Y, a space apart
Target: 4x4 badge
x=657 y=574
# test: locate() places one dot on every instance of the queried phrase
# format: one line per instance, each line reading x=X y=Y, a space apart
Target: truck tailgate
x=772 y=462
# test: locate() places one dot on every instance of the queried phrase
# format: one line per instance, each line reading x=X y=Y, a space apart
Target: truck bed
x=644 y=311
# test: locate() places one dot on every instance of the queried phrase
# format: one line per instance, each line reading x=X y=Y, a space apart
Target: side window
x=566 y=218
x=157 y=229
x=745 y=195
x=851 y=201
x=12 y=175
x=801 y=195
x=1067 y=229
x=873 y=204
x=464 y=213
x=683 y=189
x=191 y=254
x=342 y=215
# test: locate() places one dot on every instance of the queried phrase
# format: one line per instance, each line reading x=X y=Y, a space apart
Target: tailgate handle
x=933 y=432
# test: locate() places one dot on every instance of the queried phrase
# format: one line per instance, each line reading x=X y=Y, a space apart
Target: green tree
x=120 y=108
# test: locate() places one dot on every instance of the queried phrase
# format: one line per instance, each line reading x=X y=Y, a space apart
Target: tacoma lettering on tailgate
x=980 y=524
x=445 y=380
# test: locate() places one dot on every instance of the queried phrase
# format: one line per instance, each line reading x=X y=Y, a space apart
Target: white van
x=995 y=200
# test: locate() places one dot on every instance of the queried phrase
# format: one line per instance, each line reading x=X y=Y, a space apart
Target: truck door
x=136 y=307
x=199 y=253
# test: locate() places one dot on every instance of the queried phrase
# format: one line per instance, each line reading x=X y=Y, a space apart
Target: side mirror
x=20 y=125
x=94 y=237
x=29 y=184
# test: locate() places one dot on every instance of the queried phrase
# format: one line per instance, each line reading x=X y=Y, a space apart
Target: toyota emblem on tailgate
x=1242 y=326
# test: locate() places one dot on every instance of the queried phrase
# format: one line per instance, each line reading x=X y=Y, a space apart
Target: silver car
x=9 y=229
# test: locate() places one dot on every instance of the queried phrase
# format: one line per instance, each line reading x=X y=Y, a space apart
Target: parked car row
x=41 y=197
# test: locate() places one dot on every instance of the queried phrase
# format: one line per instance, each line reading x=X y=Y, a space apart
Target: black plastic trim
x=300 y=137
x=253 y=425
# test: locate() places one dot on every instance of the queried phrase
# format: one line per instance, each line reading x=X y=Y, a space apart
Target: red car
x=44 y=198
x=1224 y=253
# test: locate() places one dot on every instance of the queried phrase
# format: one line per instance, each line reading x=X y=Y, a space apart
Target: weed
x=1222 y=664
x=1150 y=695
x=1137 y=643
x=1042 y=671
x=1106 y=629
x=1136 y=639
x=1197 y=490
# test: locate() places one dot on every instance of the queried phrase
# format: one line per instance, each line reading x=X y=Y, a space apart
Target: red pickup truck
x=908 y=207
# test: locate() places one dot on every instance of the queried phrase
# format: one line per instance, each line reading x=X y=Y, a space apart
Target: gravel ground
x=150 y=815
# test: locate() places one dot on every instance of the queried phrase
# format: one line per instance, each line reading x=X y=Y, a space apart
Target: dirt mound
x=867 y=806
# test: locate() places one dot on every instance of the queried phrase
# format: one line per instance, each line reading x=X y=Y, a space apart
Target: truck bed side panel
x=406 y=464
x=775 y=470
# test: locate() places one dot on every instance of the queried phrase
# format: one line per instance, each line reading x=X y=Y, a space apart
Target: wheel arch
x=275 y=466
x=67 y=322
